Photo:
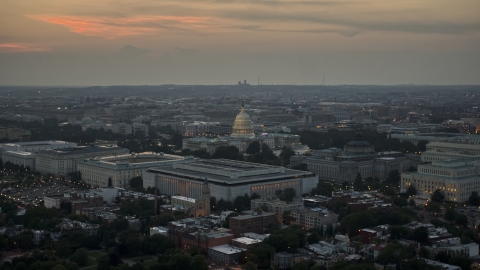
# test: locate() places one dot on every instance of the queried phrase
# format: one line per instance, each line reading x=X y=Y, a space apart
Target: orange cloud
x=21 y=47
x=120 y=27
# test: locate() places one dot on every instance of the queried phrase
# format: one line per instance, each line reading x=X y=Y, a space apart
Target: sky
x=145 y=42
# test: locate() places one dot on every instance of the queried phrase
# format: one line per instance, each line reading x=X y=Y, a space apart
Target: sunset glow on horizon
x=265 y=37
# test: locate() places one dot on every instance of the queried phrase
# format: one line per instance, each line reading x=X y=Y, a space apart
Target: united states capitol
x=228 y=179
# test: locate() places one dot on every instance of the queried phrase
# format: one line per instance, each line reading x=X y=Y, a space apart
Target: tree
x=412 y=169
x=255 y=196
x=241 y=203
x=422 y=145
x=179 y=262
x=63 y=248
x=345 y=185
x=394 y=177
x=394 y=253
x=136 y=182
x=227 y=152
x=420 y=234
x=199 y=262
x=358 y=183
x=463 y=262
x=213 y=203
x=21 y=266
x=177 y=140
x=109 y=181
x=287 y=218
x=438 y=196
x=300 y=167
x=424 y=253
x=411 y=202
x=289 y=194
x=80 y=257
x=461 y=219
x=450 y=214
x=400 y=201
x=103 y=262
x=411 y=190
x=474 y=199
x=249 y=266
x=432 y=207
x=323 y=188
x=313 y=238
x=59 y=267
x=397 y=232
x=285 y=155
x=253 y=148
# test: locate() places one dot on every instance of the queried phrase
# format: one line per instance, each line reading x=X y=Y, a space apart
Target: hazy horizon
x=213 y=42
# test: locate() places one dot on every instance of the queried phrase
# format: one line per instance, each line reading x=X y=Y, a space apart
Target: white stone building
x=65 y=161
x=209 y=144
x=159 y=230
x=52 y=201
x=35 y=147
x=243 y=134
x=21 y=158
x=122 y=168
x=457 y=179
x=228 y=179
x=226 y=254
x=438 y=151
x=358 y=156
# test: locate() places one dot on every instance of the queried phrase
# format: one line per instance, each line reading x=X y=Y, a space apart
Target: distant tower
x=155 y=206
x=203 y=206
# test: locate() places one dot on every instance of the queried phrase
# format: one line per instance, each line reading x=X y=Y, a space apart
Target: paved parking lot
x=33 y=195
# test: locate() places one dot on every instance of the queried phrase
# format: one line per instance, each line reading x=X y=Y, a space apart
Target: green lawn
x=147 y=264
x=91 y=262
x=96 y=254
x=144 y=258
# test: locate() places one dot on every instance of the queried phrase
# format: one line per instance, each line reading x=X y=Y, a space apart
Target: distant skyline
x=146 y=42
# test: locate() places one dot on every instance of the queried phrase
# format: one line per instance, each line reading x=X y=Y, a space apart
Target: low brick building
x=203 y=240
x=255 y=221
x=86 y=202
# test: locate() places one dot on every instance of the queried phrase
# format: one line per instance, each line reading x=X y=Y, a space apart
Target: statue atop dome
x=242 y=127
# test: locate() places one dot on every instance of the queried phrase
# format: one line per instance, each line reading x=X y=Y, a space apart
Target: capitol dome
x=87 y=121
x=242 y=127
x=358 y=141
x=359 y=145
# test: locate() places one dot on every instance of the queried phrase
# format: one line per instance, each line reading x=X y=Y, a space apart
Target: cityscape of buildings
x=350 y=174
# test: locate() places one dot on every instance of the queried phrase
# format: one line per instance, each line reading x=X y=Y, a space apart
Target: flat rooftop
x=246 y=240
x=183 y=199
x=207 y=140
x=227 y=249
x=20 y=153
x=243 y=217
x=38 y=143
x=223 y=171
x=143 y=160
x=78 y=150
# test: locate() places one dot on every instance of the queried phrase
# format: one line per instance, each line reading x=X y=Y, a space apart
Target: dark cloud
x=351 y=27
